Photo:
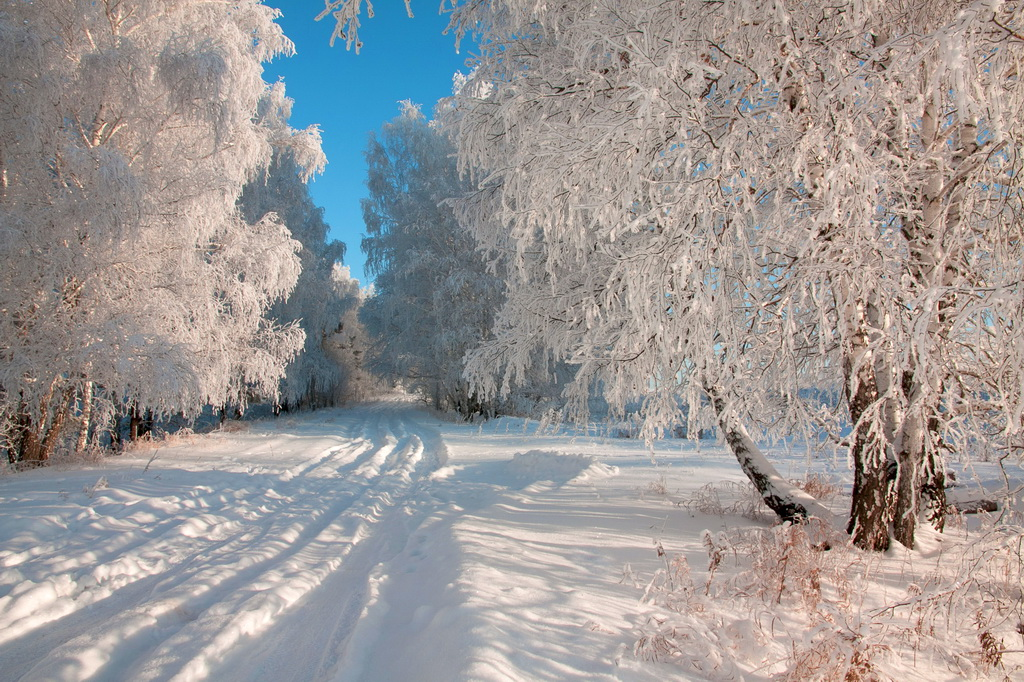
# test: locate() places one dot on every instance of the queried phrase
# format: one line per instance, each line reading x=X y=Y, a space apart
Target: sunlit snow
x=372 y=543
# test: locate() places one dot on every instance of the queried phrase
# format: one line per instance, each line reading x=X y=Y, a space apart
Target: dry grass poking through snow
x=799 y=603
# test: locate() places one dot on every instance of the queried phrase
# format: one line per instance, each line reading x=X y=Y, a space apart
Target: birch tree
x=127 y=130
x=778 y=198
x=434 y=298
x=731 y=210
x=317 y=304
x=349 y=343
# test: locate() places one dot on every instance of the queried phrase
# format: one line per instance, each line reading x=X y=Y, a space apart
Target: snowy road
x=143 y=587
x=382 y=544
x=334 y=546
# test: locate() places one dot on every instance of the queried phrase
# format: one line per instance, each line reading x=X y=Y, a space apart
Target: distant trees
x=131 y=282
x=729 y=210
x=434 y=298
x=319 y=300
x=347 y=345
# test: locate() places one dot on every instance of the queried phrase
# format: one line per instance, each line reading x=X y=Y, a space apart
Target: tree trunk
x=30 y=447
x=933 y=486
x=789 y=502
x=870 y=506
x=50 y=440
x=85 y=417
x=134 y=424
x=910 y=447
x=907 y=502
x=27 y=447
x=868 y=374
x=921 y=476
x=39 y=440
x=116 y=441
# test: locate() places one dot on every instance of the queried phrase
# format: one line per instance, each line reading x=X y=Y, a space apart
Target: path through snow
x=380 y=544
x=341 y=545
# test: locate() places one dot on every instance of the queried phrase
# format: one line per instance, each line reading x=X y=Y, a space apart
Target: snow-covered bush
x=799 y=602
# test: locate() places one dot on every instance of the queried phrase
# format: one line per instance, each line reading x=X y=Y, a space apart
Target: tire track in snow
x=191 y=554
x=137 y=533
x=331 y=519
x=387 y=514
x=401 y=502
x=198 y=529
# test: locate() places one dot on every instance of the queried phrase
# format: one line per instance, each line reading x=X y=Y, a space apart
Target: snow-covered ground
x=381 y=543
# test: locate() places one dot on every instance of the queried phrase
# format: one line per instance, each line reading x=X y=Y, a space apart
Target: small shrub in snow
x=820 y=487
x=716 y=548
x=68 y=458
x=657 y=488
x=688 y=635
x=100 y=484
x=727 y=498
x=792 y=561
x=233 y=426
x=836 y=654
x=155 y=440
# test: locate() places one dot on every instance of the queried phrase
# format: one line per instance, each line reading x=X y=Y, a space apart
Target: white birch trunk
x=85 y=417
x=784 y=498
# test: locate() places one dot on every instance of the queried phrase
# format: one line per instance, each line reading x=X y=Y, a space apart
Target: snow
x=377 y=542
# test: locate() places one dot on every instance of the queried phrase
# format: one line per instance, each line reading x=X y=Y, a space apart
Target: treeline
x=435 y=294
x=153 y=222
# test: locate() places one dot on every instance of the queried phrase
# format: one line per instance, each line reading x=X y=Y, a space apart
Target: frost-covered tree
x=127 y=131
x=319 y=301
x=348 y=344
x=740 y=206
x=749 y=213
x=434 y=298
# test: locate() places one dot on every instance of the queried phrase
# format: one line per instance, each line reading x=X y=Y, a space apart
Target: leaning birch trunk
x=34 y=434
x=41 y=439
x=788 y=501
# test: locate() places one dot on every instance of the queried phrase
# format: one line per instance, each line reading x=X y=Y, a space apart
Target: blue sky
x=349 y=95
